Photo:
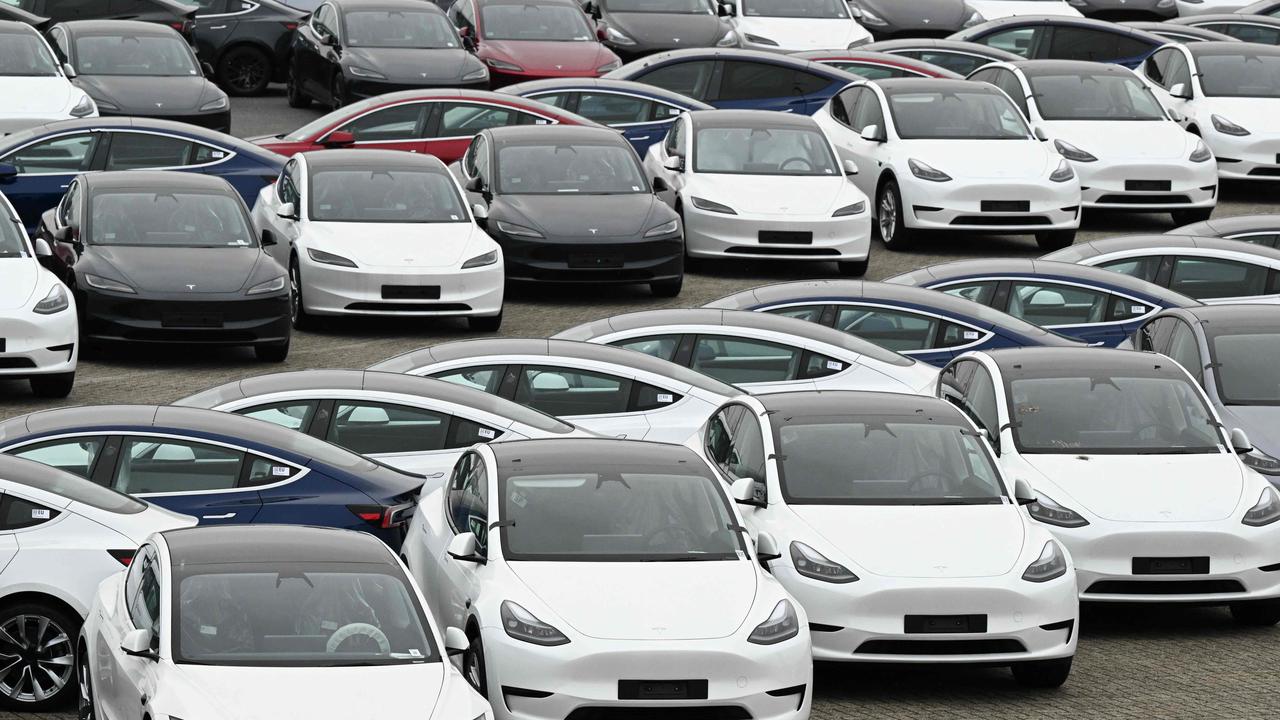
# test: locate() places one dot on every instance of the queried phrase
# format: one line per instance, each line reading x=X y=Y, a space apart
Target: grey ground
x=1134 y=662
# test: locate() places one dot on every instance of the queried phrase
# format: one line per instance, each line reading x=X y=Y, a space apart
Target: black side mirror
x=331 y=40
x=268 y=238
x=8 y=171
x=728 y=9
x=660 y=185
x=475 y=184
x=60 y=234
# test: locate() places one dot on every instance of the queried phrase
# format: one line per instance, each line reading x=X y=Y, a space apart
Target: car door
x=596 y=400
x=758 y=85
x=466 y=510
x=452 y=125
x=45 y=169
x=311 y=52
x=394 y=127
x=216 y=20
x=132 y=679
x=213 y=483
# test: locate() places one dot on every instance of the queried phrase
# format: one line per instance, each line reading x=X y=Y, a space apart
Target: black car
x=355 y=49
x=180 y=16
x=16 y=14
x=140 y=69
x=247 y=42
x=572 y=204
x=632 y=28
x=167 y=257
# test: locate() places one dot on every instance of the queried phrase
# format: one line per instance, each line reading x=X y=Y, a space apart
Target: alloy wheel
x=245 y=72
x=295 y=295
x=888 y=215
x=84 y=701
x=36 y=658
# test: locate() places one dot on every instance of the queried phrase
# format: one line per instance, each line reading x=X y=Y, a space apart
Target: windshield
x=535 y=22
x=1072 y=413
x=887 y=460
x=795 y=8
x=1094 y=97
x=25 y=54
x=555 y=169
x=168 y=220
x=1247 y=372
x=399 y=29
x=964 y=115
x=13 y=237
x=763 y=151
x=624 y=513
x=671 y=7
x=297 y=615
x=142 y=55
x=1240 y=75
x=385 y=196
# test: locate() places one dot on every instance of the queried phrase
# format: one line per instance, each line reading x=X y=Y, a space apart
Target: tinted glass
x=17 y=513
x=679 y=7
x=400 y=122
x=581 y=169
x=738 y=361
x=13 y=243
x=1144 y=268
x=962 y=63
x=981 y=292
x=565 y=392
x=1019 y=41
x=535 y=22
x=465 y=119
x=893 y=329
x=399 y=29
x=485 y=378
x=1240 y=74
x=735 y=443
x=662 y=346
x=386 y=196
x=161 y=219
x=1247 y=372
x=133 y=151
x=1247 y=32
x=611 y=108
x=763 y=151
x=757 y=81
x=687 y=78
x=1094 y=97
x=811 y=313
x=152 y=465
x=150 y=55
x=371 y=428
x=870 y=72
x=1077 y=43
x=67 y=154
x=1051 y=304
x=293 y=415
x=967 y=115
x=1207 y=278
x=24 y=54
x=74 y=455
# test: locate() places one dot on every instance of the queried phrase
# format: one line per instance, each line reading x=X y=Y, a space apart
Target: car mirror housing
x=208 y=70
x=480 y=211
x=137 y=643
x=1175 y=116
x=8 y=170
x=61 y=234
x=42 y=248
x=744 y=492
x=850 y=167
x=67 y=70
x=1023 y=494
x=466 y=548
x=287 y=211
x=1039 y=133
x=1240 y=441
x=1179 y=90
x=766 y=548
x=675 y=163
x=871 y=133
x=728 y=9
x=455 y=641
x=475 y=184
x=339 y=138
x=267 y=239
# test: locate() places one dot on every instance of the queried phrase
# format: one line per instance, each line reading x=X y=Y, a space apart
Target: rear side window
x=465 y=433
x=757 y=81
x=691 y=79
x=17 y=513
x=652 y=397
x=1206 y=278
x=812 y=313
x=1143 y=268
x=132 y=151
x=893 y=329
x=613 y=109
x=267 y=472
x=295 y=415
x=1049 y=304
x=156 y=465
x=816 y=365
x=981 y=292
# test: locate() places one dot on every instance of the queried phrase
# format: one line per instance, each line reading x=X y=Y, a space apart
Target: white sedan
x=39 y=334
x=897 y=533
x=1129 y=154
x=760 y=184
x=379 y=232
x=607 y=576
x=997 y=9
x=227 y=623
x=1205 y=7
x=35 y=87
x=61 y=536
x=1133 y=472
x=951 y=155
x=1229 y=94
x=794 y=25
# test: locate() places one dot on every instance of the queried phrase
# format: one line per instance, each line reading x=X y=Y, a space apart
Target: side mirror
x=1039 y=133
x=67 y=70
x=871 y=133
x=8 y=170
x=468 y=42
x=728 y=9
x=850 y=167
x=660 y=185
x=766 y=548
x=42 y=248
x=602 y=32
x=268 y=238
x=1179 y=90
x=475 y=184
x=744 y=492
x=465 y=548
x=480 y=211
x=675 y=163
x=1240 y=442
x=208 y=70
x=137 y=643
x=1176 y=116
x=1022 y=492
x=60 y=234
x=287 y=211
x=455 y=641
x=339 y=139
x=331 y=40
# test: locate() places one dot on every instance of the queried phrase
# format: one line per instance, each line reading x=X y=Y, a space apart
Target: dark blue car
x=929 y=326
x=1057 y=37
x=733 y=79
x=37 y=164
x=1091 y=304
x=642 y=113
x=220 y=468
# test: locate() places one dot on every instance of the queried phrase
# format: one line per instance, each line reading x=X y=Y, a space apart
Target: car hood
x=1138 y=141
x=541 y=56
x=1260 y=422
x=36 y=96
x=772 y=195
x=149 y=95
x=1255 y=114
x=393 y=244
x=18 y=280
x=987 y=159
x=172 y=270
x=568 y=216
x=662 y=29
x=795 y=34
x=921 y=541
x=1146 y=488
x=995 y=9
x=936 y=14
x=414 y=65
x=645 y=600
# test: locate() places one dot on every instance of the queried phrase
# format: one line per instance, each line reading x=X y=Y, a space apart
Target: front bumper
x=1252 y=157
x=592 y=260
x=501 y=78
x=38 y=344
x=960 y=206
x=361 y=88
x=216 y=319
x=1124 y=185
x=219 y=120
x=1162 y=8
x=332 y=290
x=710 y=234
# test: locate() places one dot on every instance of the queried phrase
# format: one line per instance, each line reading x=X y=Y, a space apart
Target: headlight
x=56 y=301
x=1226 y=127
x=1261 y=462
x=977 y=19
x=1201 y=153
x=619 y=37
x=523 y=625
x=924 y=172
x=519 y=230
x=218 y=104
x=479 y=73
x=366 y=73
x=872 y=19
x=84 y=108
x=1063 y=173
x=813 y=564
x=270 y=286
x=488 y=258
x=106 y=105
x=782 y=624
x=102 y=283
x=854 y=209
x=325 y=258
x=710 y=206
x=1266 y=510
x=1166 y=3
x=1047 y=511
x=756 y=39
x=502 y=65
x=609 y=67
x=664 y=229
x=729 y=40
x=1051 y=564
x=1071 y=152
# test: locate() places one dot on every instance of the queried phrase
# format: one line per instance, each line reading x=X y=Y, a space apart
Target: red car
x=532 y=39
x=434 y=122
x=876 y=65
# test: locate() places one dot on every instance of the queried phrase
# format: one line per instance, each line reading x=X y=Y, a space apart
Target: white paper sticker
x=218 y=153
x=39 y=514
x=328 y=625
x=835 y=365
x=1137 y=309
x=208 y=630
x=665 y=397
x=280 y=471
x=415 y=652
x=518 y=499
x=485 y=433
x=970 y=335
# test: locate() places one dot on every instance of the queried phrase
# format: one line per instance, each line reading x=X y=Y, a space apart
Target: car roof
x=272 y=544
x=850 y=402
x=1094 y=248
x=143 y=124
x=351 y=158
x=154 y=180
x=521 y=134
x=749 y=119
x=22 y=16
x=1031 y=362
x=1231 y=48
x=1038 y=68
x=728 y=54
x=525 y=89
x=387 y=5
x=941 y=44
x=1058 y=20
x=1225 y=17
x=13 y=26
x=571 y=3
x=113 y=27
x=1245 y=313
x=592 y=453
x=939 y=85
x=1156 y=28
x=1234 y=224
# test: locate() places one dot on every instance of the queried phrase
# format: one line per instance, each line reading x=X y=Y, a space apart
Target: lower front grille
x=1006 y=206
x=1148 y=185
x=713 y=712
x=940 y=647
x=408 y=307
x=178 y=335
x=1144 y=199
x=1001 y=221
x=14 y=363
x=410 y=292
x=1265 y=172
x=1167 y=587
x=796 y=250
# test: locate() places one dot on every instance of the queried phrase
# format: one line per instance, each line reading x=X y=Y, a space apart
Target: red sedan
x=434 y=122
x=532 y=39
x=876 y=65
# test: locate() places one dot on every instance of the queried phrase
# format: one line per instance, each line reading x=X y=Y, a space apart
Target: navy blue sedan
x=929 y=326
x=38 y=163
x=218 y=467
x=1090 y=304
x=734 y=79
x=1057 y=37
x=642 y=113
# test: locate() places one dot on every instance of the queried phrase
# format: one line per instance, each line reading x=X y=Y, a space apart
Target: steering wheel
x=672 y=532
x=358 y=630
x=915 y=483
x=807 y=165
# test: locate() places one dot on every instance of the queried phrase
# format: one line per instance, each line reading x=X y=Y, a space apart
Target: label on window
x=665 y=397
x=1137 y=309
x=970 y=335
x=39 y=514
x=835 y=365
x=208 y=629
x=218 y=154
x=280 y=471
x=485 y=433
x=518 y=499
x=328 y=625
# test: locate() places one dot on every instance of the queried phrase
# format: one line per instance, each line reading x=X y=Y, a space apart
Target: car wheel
x=854 y=268
x=297 y=308
x=1042 y=673
x=37 y=652
x=473 y=668
x=57 y=385
x=1256 y=613
x=244 y=70
x=667 y=288
x=1192 y=215
x=338 y=95
x=1055 y=239
x=272 y=352
x=485 y=324
x=85 y=707
x=889 y=219
x=297 y=98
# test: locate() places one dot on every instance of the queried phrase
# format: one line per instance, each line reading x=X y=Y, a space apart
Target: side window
x=812 y=313
x=60 y=43
x=735 y=443
x=816 y=365
x=1143 y=268
x=1207 y=278
x=1019 y=41
x=557 y=99
x=17 y=513
x=954 y=380
x=66 y=154
x=868 y=112
x=266 y=472
x=982 y=291
x=659 y=346
x=162 y=465
x=736 y=360
x=662 y=112
x=465 y=119
x=842 y=106
x=1075 y=43
x=204 y=154
x=1049 y=304
x=469 y=498
x=1154 y=336
x=476 y=162
x=1184 y=350
x=805 y=83
x=144 y=600
x=1178 y=70
x=487 y=378
x=614 y=109
x=465 y=433
x=962 y=63
x=1248 y=32
x=566 y=392
x=893 y=329
x=652 y=397
x=1123 y=308
x=73 y=455
x=68 y=203
x=369 y=428
x=953 y=334
x=675 y=143
x=286 y=191
x=295 y=415
x=980 y=401
x=986 y=76
x=1264 y=239
x=1009 y=83
x=756 y=81
x=399 y=122
x=871 y=71
x=133 y=151
x=691 y=79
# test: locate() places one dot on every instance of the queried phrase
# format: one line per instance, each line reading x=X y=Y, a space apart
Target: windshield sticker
x=834 y=365
x=970 y=335
x=39 y=514
x=280 y=471
x=666 y=397
x=208 y=630
x=328 y=625
x=1137 y=309
x=518 y=499
x=486 y=433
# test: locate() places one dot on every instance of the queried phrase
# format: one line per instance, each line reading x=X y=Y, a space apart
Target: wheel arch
x=45 y=596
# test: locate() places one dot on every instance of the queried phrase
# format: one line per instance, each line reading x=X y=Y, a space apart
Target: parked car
x=877 y=65
x=1264 y=7
x=1056 y=37
x=789 y=26
x=248 y=42
x=1200 y=7
x=178 y=15
x=1180 y=33
x=34 y=82
x=1262 y=29
x=1128 y=8
x=961 y=58
x=998 y=9
x=1258 y=229
x=633 y=28
x=887 y=18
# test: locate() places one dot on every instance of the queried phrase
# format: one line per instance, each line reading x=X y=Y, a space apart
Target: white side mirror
x=137 y=643
x=850 y=167
x=766 y=548
x=455 y=641
x=287 y=211
x=1179 y=90
x=465 y=547
x=871 y=133
x=67 y=70
x=1176 y=116
x=1022 y=492
x=1240 y=441
x=675 y=163
x=42 y=248
x=743 y=491
x=1039 y=133
x=480 y=211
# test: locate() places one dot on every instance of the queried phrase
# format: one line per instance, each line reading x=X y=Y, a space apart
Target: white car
x=1205 y=7
x=794 y=25
x=897 y=532
x=60 y=535
x=951 y=155
x=227 y=623
x=761 y=352
x=996 y=9
x=33 y=84
x=1229 y=94
x=379 y=232
x=761 y=184
x=411 y=423
x=602 y=578
x=607 y=390
x=1214 y=271
x=1132 y=471
x=39 y=334
x=1129 y=154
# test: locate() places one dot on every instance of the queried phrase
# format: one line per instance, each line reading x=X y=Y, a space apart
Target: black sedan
x=180 y=16
x=167 y=257
x=572 y=204
x=632 y=28
x=248 y=43
x=140 y=69
x=355 y=49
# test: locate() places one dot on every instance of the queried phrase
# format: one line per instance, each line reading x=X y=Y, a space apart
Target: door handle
x=434 y=475
x=223 y=516
x=789 y=110
x=64 y=187
x=642 y=137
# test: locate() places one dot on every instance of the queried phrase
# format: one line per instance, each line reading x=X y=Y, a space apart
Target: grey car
x=1107 y=9
x=1257 y=229
x=634 y=28
x=918 y=18
x=954 y=55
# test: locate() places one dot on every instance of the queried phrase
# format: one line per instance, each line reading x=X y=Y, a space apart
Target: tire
x=667 y=288
x=853 y=268
x=1192 y=215
x=298 y=311
x=1050 y=240
x=272 y=352
x=1042 y=673
x=485 y=324
x=473 y=667
x=297 y=98
x=24 y=622
x=1256 y=613
x=244 y=70
x=889 y=218
x=338 y=93
x=86 y=706
x=53 y=386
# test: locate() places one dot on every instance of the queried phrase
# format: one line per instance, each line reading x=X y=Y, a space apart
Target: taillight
x=290 y=25
x=382 y=516
x=124 y=557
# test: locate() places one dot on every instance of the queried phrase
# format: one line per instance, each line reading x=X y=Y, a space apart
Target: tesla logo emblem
x=423 y=74
x=926 y=20
x=191 y=287
x=940 y=568
x=559 y=67
x=593 y=231
x=159 y=104
x=675 y=39
x=658 y=629
x=1166 y=514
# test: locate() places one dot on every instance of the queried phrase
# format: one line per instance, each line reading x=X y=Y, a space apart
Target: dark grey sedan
x=918 y=18
x=633 y=28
